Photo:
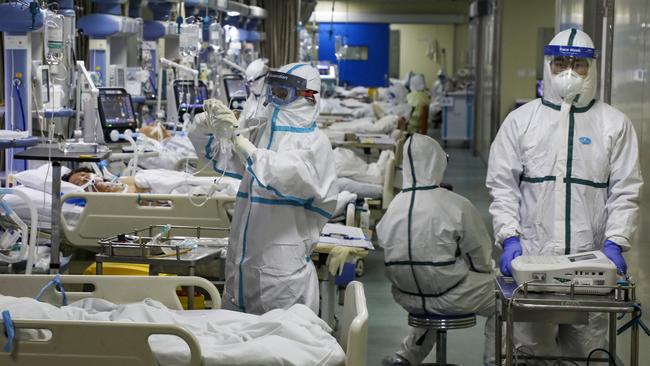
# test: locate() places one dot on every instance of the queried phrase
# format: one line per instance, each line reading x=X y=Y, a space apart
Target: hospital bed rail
x=106 y=214
x=110 y=343
x=98 y=343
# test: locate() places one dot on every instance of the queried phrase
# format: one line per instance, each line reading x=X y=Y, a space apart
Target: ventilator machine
x=582 y=270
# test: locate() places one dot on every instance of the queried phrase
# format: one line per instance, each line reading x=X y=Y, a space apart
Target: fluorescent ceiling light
x=233 y=13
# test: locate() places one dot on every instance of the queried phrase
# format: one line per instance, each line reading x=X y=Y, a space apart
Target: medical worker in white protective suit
x=249 y=118
x=564 y=177
x=437 y=251
x=286 y=195
x=255 y=73
x=395 y=104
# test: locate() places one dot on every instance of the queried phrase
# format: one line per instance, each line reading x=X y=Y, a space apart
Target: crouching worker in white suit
x=286 y=195
x=437 y=251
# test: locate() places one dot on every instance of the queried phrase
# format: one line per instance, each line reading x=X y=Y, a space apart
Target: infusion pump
x=585 y=269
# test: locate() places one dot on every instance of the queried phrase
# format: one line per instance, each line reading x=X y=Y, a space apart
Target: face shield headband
x=251 y=81
x=282 y=89
x=569 y=68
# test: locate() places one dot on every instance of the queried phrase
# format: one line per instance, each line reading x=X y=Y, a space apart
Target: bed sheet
x=350 y=165
x=362 y=190
x=163 y=181
x=384 y=125
x=295 y=336
x=43 y=203
x=169 y=151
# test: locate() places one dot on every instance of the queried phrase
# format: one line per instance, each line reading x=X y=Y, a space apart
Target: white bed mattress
x=295 y=336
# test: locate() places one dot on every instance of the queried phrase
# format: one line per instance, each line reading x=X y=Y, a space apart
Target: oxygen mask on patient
x=95 y=183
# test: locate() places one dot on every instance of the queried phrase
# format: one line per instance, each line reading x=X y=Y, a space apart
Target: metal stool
x=441 y=324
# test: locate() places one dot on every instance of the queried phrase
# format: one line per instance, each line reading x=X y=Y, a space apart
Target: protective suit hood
x=255 y=75
x=417 y=82
x=397 y=94
x=427 y=172
x=301 y=113
x=576 y=38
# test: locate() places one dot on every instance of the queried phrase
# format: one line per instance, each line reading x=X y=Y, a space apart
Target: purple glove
x=613 y=252
x=511 y=250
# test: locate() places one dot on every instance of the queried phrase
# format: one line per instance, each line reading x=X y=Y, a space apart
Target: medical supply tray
x=137 y=243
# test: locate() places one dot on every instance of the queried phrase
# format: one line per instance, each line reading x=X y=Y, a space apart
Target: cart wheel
x=360 y=267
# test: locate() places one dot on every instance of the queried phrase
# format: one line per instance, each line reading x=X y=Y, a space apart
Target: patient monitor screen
x=188 y=97
x=236 y=88
x=117 y=110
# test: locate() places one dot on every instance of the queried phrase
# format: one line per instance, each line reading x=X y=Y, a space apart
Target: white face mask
x=568 y=84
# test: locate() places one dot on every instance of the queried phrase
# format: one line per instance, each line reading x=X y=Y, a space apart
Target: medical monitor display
x=189 y=98
x=117 y=110
x=236 y=88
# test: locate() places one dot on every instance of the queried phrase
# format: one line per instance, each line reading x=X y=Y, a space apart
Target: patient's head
x=79 y=176
x=155 y=131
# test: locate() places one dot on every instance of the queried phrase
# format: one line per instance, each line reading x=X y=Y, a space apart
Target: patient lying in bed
x=159 y=181
x=86 y=178
x=171 y=148
x=295 y=336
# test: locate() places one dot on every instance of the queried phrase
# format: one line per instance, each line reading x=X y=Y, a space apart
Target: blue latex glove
x=511 y=250
x=614 y=252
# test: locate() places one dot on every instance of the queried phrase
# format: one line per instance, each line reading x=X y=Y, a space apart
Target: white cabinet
x=457 y=116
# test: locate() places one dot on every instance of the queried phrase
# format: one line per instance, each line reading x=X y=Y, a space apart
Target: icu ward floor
x=388 y=321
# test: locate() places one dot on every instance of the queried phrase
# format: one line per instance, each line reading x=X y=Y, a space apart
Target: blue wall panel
x=358 y=73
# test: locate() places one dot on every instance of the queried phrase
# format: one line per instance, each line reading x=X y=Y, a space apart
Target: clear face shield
x=569 y=67
x=278 y=90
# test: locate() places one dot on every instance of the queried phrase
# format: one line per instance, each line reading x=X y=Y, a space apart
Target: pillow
x=41 y=179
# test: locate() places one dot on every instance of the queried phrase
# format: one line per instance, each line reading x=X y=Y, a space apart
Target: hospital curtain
x=281 y=45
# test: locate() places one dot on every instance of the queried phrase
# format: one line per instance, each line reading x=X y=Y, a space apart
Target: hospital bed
x=107 y=214
x=380 y=195
x=110 y=343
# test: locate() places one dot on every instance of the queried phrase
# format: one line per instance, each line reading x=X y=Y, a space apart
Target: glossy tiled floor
x=387 y=322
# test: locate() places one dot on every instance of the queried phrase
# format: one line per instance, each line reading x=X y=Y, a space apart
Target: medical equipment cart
x=522 y=304
x=52 y=153
x=169 y=252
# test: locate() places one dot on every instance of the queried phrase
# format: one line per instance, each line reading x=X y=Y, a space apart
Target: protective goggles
x=563 y=58
x=283 y=89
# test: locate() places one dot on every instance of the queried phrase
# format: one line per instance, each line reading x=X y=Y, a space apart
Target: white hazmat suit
x=564 y=177
x=286 y=196
x=437 y=249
